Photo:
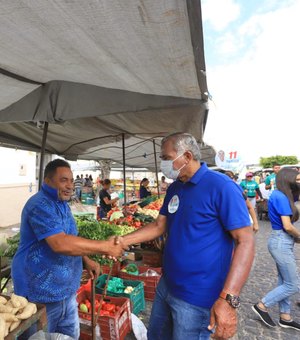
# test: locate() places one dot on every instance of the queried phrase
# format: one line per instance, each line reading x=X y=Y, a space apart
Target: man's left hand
x=223 y=318
x=93 y=268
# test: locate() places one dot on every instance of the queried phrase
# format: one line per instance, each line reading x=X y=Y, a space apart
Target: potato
x=7 y=326
x=3 y=301
x=18 y=301
x=8 y=317
x=14 y=325
x=5 y=309
x=29 y=310
x=2 y=328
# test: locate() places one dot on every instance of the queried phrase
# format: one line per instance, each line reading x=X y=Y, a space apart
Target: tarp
x=96 y=69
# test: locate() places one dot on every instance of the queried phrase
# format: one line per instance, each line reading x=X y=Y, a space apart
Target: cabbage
x=116 y=215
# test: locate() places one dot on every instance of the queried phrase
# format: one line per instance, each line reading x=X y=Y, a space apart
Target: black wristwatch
x=233 y=300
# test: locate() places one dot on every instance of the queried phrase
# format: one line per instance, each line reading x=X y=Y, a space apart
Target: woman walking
x=283 y=213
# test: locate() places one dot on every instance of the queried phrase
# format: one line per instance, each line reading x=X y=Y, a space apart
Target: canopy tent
x=99 y=70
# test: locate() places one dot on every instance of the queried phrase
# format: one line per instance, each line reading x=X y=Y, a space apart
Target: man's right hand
x=115 y=246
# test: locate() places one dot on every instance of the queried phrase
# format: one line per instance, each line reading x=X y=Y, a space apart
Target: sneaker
x=264 y=316
x=289 y=324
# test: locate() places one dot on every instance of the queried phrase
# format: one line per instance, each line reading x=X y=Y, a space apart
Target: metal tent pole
x=156 y=168
x=124 y=168
x=42 y=157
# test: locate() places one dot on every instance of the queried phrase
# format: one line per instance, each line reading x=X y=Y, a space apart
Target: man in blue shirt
x=204 y=214
x=48 y=264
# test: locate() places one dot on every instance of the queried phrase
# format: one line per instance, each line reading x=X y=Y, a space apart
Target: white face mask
x=168 y=170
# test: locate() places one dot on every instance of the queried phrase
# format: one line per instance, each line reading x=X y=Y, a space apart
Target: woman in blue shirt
x=282 y=214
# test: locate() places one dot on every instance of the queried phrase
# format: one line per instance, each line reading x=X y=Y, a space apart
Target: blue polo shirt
x=38 y=272
x=197 y=255
x=278 y=205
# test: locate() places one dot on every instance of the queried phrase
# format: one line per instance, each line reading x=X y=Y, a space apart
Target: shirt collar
x=199 y=173
x=52 y=192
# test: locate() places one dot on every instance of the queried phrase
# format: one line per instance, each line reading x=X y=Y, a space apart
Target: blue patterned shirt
x=38 y=272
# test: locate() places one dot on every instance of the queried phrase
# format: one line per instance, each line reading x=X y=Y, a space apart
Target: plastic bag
x=138 y=327
x=116 y=285
x=150 y=272
x=40 y=335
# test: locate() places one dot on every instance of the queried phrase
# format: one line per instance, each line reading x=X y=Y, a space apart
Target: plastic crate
x=150 y=282
x=115 y=270
x=137 y=297
x=152 y=258
x=111 y=327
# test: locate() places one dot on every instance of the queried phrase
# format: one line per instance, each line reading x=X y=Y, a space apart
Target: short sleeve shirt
x=278 y=205
x=106 y=207
x=144 y=192
x=251 y=186
x=38 y=272
x=198 y=251
x=271 y=180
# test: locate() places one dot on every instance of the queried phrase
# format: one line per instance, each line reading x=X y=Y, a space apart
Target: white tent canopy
x=97 y=69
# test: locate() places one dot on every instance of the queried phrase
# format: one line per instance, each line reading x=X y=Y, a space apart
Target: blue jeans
x=63 y=317
x=78 y=192
x=174 y=319
x=281 y=246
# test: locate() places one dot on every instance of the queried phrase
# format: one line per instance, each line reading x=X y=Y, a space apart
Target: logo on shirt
x=173 y=204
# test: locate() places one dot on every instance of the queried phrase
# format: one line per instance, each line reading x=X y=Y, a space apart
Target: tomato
x=104 y=313
x=109 y=307
x=88 y=304
x=137 y=224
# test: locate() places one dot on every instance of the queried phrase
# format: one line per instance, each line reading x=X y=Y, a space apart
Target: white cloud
x=257 y=105
x=220 y=13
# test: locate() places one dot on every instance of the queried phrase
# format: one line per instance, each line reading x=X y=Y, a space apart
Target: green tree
x=268 y=162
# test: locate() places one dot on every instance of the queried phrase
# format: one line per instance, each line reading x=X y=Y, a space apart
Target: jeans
x=281 y=246
x=63 y=317
x=78 y=192
x=174 y=319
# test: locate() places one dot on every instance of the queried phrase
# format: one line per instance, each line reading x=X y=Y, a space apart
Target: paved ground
x=262 y=279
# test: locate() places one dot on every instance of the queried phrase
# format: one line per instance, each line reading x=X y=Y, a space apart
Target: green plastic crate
x=137 y=297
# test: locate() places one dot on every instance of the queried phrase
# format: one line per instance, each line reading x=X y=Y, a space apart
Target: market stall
x=103 y=80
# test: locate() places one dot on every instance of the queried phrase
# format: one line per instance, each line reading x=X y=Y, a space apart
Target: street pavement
x=262 y=279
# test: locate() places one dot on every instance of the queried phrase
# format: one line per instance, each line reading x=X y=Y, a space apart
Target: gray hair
x=183 y=142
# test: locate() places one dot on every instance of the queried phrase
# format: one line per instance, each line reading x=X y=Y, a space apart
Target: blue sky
x=252 y=59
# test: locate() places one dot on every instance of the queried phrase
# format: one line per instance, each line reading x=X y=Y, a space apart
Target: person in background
x=78 y=187
x=283 y=214
x=251 y=188
x=163 y=185
x=106 y=203
x=47 y=266
x=270 y=182
x=204 y=214
x=86 y=180
x=144 y=191
x=251 y=210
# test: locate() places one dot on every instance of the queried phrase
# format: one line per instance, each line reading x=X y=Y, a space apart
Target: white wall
x=17 y=183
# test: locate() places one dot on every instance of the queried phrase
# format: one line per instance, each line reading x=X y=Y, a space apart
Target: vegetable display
x=92 y=229
x=107 y=309
x=13 y=244
x=12 y=312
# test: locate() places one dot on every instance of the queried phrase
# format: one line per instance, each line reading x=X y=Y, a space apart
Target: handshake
x=116 y=246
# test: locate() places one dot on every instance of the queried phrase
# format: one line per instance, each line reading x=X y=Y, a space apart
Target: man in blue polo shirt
x=204 y=214
x=48 y=264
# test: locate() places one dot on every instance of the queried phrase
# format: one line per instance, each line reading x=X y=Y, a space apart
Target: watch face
x=233 y=300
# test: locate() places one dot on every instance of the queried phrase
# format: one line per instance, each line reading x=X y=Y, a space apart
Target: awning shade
x=96 y=69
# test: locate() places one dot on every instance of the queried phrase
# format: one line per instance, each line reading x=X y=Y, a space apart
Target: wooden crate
x=39 y=318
